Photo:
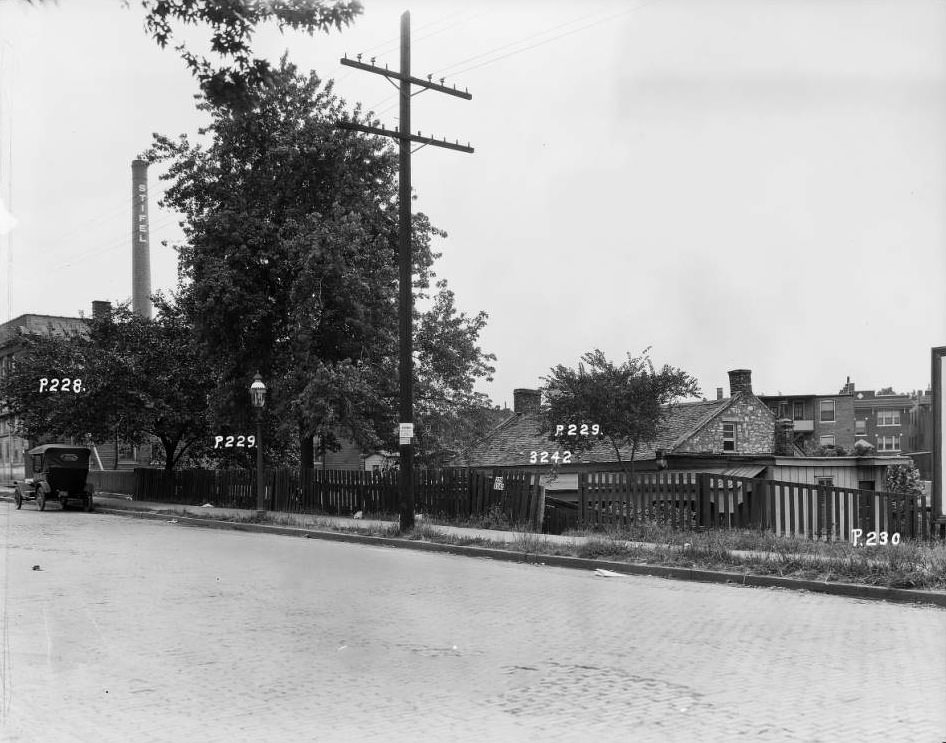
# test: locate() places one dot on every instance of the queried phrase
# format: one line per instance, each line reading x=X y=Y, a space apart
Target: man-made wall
x=842 y=427
x=755 y=429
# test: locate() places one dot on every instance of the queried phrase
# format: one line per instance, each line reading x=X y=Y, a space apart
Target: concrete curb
x=849 y=590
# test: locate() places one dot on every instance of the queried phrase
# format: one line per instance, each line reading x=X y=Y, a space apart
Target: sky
x=754 y=184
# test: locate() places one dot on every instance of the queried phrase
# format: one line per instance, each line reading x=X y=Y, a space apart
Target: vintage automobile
x=59 y=473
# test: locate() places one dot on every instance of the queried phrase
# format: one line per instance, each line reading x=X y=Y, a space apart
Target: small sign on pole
x=406 y=432
x=498 y=484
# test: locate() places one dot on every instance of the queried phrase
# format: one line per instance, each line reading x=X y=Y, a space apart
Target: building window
x=827 y=411
x=827 y=440
x=729 y=437
x=888 y=417
x=888 y=443
x=860 y=428
x=798 y=411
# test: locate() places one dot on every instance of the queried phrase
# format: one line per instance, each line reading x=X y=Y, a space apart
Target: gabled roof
x=511 y=443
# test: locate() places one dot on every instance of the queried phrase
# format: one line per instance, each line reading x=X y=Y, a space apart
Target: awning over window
x=739 y=470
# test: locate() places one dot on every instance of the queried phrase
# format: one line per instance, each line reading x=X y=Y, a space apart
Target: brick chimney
x=719 y=393
x=526 y=401
x=740 y=380
x=101 y=309
x=784 y=437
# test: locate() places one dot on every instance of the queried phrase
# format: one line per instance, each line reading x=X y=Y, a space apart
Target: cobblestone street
x=136 y=630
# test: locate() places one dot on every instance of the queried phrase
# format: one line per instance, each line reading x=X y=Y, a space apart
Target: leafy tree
x=41 y=415
x=903 y=478
x=140 y=379
x=233 y=74
x=232 y=25
x=448 y=361
x=289 y=265
x=629 y=402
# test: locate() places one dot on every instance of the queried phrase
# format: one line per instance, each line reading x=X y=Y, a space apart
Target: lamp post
x=258 y=398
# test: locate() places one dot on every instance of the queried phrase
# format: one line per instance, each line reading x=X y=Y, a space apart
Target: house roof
x=511 y=443
x=41 y=324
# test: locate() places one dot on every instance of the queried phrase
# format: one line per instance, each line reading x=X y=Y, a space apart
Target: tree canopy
x=139 y=378
x=289 y=266
x=234 y=72
x=627 y=402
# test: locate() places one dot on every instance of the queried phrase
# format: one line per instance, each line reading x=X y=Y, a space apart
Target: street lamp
x=258 y=398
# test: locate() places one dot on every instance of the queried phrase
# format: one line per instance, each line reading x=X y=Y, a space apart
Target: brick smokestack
x=719 y=393
x=740 y=380
x=101 y=309
x=526 y=400
x=140 y=240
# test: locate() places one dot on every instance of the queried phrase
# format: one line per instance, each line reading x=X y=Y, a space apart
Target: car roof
x=58 y=447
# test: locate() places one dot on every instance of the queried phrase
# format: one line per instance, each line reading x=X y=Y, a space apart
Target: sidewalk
x=523 y=547
x=316 y=521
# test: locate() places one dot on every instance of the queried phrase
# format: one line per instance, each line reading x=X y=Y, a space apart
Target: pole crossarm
x=384 y=72
x=402 y=134
x=382 y=132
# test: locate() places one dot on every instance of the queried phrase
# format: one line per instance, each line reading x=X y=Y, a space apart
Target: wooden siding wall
x=844 y=477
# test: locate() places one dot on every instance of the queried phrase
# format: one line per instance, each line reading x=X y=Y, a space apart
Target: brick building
x=817 y=420
x=113 y=454
x=897 y=423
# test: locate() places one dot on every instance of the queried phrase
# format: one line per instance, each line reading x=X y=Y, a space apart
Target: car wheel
x=19 y=500
x=41 y=499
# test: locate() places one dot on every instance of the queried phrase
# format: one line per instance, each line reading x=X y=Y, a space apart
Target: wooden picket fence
x=701 y=500
x=449 y=492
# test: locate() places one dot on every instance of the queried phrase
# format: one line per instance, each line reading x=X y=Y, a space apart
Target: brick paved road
x=148 y=631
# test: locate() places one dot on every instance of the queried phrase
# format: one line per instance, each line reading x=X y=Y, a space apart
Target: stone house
x=739 y=435
x=740 y=425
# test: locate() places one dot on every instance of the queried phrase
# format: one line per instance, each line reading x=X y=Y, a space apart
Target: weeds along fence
x=450 y=492
x=701 y=500
x=113 y=481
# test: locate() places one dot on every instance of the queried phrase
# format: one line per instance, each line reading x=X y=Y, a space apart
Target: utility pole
x=402 y=133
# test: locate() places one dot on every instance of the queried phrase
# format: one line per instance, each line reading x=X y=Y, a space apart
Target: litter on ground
x=607 y=573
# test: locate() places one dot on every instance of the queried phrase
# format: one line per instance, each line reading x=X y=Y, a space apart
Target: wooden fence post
x=581 y=498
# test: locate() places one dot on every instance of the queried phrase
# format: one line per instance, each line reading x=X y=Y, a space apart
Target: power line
x=111 y=246
x=559 y=36
x=514 y=43
x=491 y=60
x=387 y=48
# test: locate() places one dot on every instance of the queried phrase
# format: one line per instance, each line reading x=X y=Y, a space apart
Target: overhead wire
x=492 y=60
x=112 y=245
x=559 y=36
x=393 y=43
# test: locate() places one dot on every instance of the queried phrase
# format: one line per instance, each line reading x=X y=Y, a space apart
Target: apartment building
x=896 y=423
x=817 y=420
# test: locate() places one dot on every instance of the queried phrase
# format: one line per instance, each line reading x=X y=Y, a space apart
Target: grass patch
x=910 y=564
